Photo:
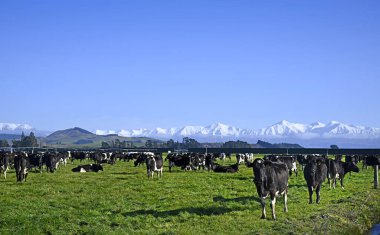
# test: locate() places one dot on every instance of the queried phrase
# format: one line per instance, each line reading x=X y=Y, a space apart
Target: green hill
x=80 y=138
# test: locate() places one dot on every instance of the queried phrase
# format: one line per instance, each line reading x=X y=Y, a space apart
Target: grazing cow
x=21 y=161
x=198 y=161
x=271 y=179
x=154 y=164
x=88 y=168
x=226 y=169
x=338 y=169
x=315 y=173
x=4 y=163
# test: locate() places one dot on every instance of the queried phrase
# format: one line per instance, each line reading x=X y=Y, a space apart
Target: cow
x=338 y=169
x=154 y=164
x=240 y=158
x=209 y=161
x=21 y=162
x=226 y=169
x=88 y=168
x=4 y=163
x=271 y=179
x=315 y=174
x=198 y=161
x=78 y=155
x=51 y=160
x=36 y=161
x=181 y=160
x=372 y=160
x=290 y=161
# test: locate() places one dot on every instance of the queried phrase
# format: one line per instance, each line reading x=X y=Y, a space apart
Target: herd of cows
x=271 y=173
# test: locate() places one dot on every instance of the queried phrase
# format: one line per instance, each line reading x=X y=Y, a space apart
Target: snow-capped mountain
x=13 y=128
x=282 y=129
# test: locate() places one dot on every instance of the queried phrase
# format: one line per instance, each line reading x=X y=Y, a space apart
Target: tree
x=148 y=144
x=26 y=141
x=105 y=145
x=4 y=143
x=334 y=146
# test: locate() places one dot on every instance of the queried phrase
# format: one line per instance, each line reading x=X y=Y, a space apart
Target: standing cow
x=21 y=162
x=271 y=179
x=315 y=173
x=154 y=164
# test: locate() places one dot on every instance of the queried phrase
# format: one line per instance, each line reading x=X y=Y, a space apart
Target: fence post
x=376 y=176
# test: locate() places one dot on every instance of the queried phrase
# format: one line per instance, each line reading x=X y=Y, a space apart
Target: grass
x=121 y=200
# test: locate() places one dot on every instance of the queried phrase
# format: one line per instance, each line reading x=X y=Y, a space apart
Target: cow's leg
x=272 y=206
x=318 y=193
x=328 y=180
x=341 y=182
x=286 y=201
x=310 y=188
x=263 y=213
x=148 y=173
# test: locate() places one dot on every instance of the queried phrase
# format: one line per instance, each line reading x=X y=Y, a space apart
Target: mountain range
x=316 y=134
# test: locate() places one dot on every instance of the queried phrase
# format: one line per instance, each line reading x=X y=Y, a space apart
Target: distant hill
x=263 y=144
x=10 y=137
x=78 y=137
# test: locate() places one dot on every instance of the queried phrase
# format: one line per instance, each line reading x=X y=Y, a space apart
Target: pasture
x=122 y=200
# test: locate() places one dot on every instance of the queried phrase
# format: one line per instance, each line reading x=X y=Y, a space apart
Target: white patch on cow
x=25 y=171
x=277 y=193
x=337 y=176
x=294 y=166
x=259 y=161
x=82 y=170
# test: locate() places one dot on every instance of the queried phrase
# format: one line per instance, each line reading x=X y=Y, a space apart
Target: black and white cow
x=154 y=164
x=338 y=169
x=21 y=162
x=290 y=161
x=315 y=174
x=180 y=160
x=36 y=161
x=88 y=168
x=4 y=163
x=271 y=179
x=51 y=160
x=240 y=158
x=226 y=169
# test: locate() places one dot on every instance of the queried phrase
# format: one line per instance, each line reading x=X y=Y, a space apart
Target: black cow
x=36 y=161
x=315 y=173
x=78 y=155
x=271 y=179
x=154 y=164
x=290 y=161
x=4 y=163
x=338 y=169
x=226 y=169
x=88 y=168
x=181 y=160
x=372 y=161
x=51 y=160
x=21 y=162
x=209 y=161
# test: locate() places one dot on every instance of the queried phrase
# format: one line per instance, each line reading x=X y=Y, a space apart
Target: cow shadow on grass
x=201 y=211
x=242 y=200
x=124 y=173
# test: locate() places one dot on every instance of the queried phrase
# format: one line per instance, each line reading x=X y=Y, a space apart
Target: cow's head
x=351 y=166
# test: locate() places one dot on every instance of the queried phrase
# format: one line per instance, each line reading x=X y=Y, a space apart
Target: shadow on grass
x=238 y=199
x=297 y=185
x=124 y=173
x=191 y=210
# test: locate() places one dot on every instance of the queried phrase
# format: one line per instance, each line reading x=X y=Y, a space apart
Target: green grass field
x=122 y=200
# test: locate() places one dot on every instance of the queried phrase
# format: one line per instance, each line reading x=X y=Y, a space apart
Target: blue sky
x=132 y=64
